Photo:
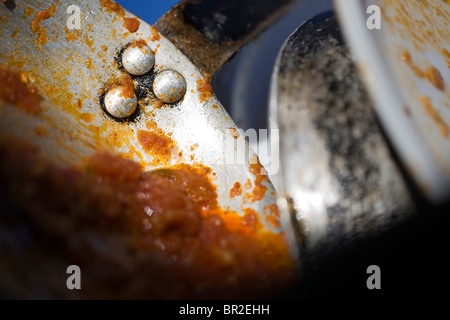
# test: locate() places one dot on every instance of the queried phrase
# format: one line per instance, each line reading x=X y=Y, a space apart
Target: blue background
x=149 y=11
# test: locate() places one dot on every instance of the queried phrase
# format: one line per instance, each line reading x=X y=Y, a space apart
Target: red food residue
x=15 y=91
x=259 y=191
x=72 y=36
x=128 y=84
x=272 y=215
x=406 y=56
x=36 y=23
x=205 y=90
x=156 y=142
x=236 y=190
x=131 y=24
x=165 y=224
x=155 y=34
x=434 y=77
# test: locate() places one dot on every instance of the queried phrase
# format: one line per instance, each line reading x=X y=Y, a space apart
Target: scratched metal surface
x=71 y=70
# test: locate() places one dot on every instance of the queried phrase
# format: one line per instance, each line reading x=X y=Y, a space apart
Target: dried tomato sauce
x=131 y=24
x=36 y=23
x=16 y=91
x=158 y=234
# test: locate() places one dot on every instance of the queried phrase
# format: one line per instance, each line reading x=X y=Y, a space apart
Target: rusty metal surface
x=201 y=29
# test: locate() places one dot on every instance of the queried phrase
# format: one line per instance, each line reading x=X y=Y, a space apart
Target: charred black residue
x=324 y=88
x=144 y=85
x=345 y=104
x=10 y=4
x=343 y=113
x=118 y=58
x=311 y=35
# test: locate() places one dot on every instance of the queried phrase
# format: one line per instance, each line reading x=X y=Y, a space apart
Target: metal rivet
x=169 y=86
x=138 y=59
x=119 y=103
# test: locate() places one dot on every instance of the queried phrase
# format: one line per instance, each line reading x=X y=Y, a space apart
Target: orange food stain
x=113 y=167
x=259 y=191
x=131 y=24
x=198 y=188
x=128 y=85
x=446 y=54
x=89 y=63
x=28 y=12
x=169 y=219
x=250 y=220
x=245 y=225
x=125 y=81
x=205 y=90
x=71 y=36
x=115 y=139
x=42 y=36
x=17 y=92
x=428 y=29
x=36 y=23
x=247 y=198
x=234 y=133
x=41 y=131
x=156 y=143
x=236 y=190
x=155 y=34
x=248 y=184
x=89 y=27
x=87 y=117
x=27 y=77
x=434 y=77
x=140 y=43
x=272 y=215
x=113 y=7
x=158 y=104
x=406 y=56
x=215 y=106
x=88 y=41
x=157 y=47
x=49 y=90
x=434 y=114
